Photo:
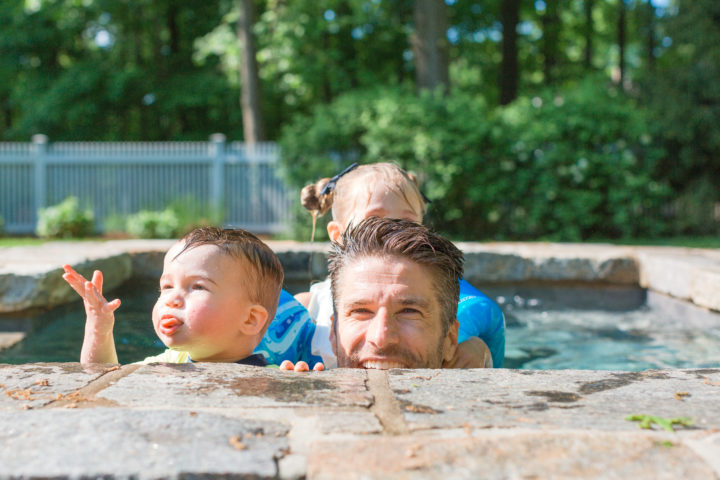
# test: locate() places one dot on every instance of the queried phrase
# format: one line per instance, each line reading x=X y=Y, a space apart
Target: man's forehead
x=381 y=264
x=380 y=276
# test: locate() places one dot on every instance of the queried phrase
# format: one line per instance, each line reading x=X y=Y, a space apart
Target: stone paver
x=35 y=385
x=235 y=386
x=508 y=454
x=536 y=399
x=32 y=276
x=208 y=420
x=142 y=444
x=688 y=274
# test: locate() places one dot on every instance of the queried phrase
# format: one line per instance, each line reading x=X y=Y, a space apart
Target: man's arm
x=98 y=343
x=472 y=353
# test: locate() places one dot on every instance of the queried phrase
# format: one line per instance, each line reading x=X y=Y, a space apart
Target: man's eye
x=410 y=311
x=165 y=286
x=360 y=312
x=198 y=286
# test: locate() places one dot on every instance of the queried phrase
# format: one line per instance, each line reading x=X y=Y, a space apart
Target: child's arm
x=98 y=343
x=304 y=298
x=482 y=319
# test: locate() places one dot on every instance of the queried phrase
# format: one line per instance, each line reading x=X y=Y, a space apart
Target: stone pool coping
x=31 y=276
x=234 y=421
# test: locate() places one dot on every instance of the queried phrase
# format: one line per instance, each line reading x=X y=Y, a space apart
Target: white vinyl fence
x=116 y=179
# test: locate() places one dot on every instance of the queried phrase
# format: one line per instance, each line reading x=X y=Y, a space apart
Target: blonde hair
x=362 y=180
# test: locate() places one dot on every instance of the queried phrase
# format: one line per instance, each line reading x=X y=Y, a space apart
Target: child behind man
x=218 y=292
x=386 y=190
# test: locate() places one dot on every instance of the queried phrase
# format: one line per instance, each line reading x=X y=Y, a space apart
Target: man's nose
x=382 y=331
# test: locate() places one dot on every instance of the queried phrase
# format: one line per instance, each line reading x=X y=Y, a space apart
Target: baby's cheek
x=155 y=315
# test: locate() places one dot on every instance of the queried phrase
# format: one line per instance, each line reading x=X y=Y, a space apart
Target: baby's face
x=201 y=299
x=386 y=204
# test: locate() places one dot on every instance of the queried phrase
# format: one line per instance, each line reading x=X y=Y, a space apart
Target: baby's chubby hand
x=301 y=366
x=100 y=312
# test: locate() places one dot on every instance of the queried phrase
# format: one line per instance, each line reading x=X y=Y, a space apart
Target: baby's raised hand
x=100 y=312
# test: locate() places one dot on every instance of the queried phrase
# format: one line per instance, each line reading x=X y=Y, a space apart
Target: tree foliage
x=337 y=80
x=562 y=167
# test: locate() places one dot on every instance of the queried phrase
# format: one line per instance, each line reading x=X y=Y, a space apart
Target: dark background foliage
x=560 y=119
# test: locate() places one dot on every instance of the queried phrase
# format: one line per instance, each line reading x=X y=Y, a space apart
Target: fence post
x=40 y=149
x=217 y=184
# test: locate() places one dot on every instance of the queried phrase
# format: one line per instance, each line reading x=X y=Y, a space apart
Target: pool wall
x=31 y=277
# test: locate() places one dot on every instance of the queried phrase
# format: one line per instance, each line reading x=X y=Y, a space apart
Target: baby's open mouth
x=169 y=325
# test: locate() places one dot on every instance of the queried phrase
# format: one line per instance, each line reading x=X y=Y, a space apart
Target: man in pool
x=395 y=290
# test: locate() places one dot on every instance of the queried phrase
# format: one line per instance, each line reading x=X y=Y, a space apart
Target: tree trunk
x=551 y=37
x=509 y=72
x=249 y=76
x=621 y=41
x=7 y=112
x=589 y=33
x=650 y=35
x=430 y=45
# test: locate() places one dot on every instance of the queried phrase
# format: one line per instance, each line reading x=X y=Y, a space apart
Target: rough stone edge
x=695 y=273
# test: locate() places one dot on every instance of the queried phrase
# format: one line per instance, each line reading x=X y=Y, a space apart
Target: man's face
x=388 y=316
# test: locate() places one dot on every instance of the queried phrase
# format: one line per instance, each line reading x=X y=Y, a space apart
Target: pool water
x=541 y=334
x=56 y=335
x=600 y=340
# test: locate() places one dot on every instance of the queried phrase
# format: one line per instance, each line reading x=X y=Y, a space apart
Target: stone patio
x=234 y=421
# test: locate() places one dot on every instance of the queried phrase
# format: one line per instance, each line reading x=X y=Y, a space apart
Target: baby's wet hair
x=317 y=200
x=265 y=272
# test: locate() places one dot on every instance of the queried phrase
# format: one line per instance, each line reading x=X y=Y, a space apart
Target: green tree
x=683 y=98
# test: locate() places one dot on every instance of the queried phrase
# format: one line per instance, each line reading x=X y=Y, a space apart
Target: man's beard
x=395 y=353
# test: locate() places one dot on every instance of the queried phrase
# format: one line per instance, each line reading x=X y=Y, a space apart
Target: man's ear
x=255 y=320
x=334 y=230
x=451 y=342
x=333 y=336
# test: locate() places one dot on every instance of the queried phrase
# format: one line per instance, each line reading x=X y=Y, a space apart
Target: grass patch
x=20 y=241
x=690 y=242
x=28 y=241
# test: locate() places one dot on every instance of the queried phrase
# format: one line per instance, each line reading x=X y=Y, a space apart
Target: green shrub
x=437 y=137
x=565 y=166
x=571 y=167
x=154 y=224
x=65 y=220
x=192 y=213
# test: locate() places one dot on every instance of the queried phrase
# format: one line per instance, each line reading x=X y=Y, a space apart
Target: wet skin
x=389 y=316
x=201 y=299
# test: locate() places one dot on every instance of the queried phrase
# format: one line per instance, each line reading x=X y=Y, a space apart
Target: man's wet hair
x=264 y=271
x=385 y=238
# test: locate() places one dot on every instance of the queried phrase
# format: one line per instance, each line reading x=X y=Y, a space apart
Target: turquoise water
x=599 y=340
x=540 y=334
